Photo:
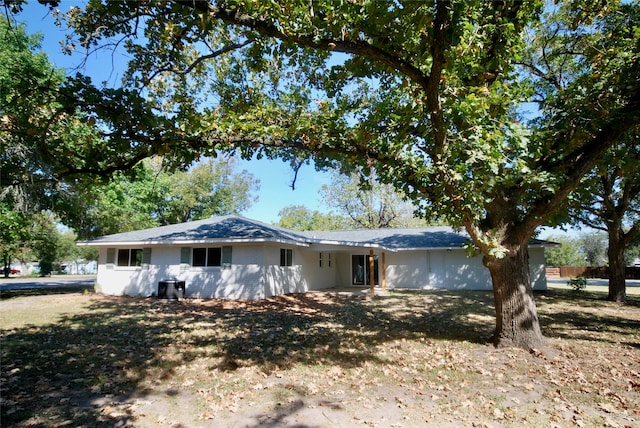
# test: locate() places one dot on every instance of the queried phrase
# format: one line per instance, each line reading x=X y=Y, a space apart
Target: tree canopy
x=355 y=205
x=27 y=86
x=148 y=196
x=212 y=187
x=299 y=217
x=57 y=128
x=369 y=204
x=425 y=93
x=568 y=253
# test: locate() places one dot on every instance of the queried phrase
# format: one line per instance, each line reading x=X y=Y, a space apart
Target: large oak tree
x=425 y=93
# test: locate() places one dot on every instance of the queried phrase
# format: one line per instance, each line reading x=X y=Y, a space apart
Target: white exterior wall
x=278 y=279
x=305 y=274
x=120 y=280
x=255 y=272
x=343 y=270
x=537 y=268
x=410 y=269
x=424 y=269
x=465 y=273
x=318 y=277
x=403 y=270
x=242 y=280
x=421 y=269
x=451 y=270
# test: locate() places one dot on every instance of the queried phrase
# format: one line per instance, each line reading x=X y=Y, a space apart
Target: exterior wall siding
x=409 y=269
x=451 y=270
x=465 y=273
x=318 y=277
x=278 y=279
x=343 y=270
x=255 y=272
x=244 y=279
x=537 y=269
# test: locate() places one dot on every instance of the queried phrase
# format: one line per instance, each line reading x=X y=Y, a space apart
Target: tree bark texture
x=517 y=323
x=617 y=285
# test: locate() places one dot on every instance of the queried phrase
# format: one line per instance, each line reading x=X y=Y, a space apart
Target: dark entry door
x=360 y=269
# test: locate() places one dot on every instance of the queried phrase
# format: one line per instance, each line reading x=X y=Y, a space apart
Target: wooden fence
x=589 y=272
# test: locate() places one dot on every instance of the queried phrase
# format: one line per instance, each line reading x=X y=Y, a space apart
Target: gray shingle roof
x=240 y=229
x=224 y=228
x=393 y=239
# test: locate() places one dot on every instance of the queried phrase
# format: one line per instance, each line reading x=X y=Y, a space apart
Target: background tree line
x=144 y=197
x=586 y=249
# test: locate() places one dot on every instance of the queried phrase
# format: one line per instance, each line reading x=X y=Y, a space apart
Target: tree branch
x=200 y=59
x=268 y=29
x=579 y=162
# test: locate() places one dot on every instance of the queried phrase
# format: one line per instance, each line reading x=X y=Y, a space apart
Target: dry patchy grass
x=406 y=359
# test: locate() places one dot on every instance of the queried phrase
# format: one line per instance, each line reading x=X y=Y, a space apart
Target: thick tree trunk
x=516 y=314
x=617 y=285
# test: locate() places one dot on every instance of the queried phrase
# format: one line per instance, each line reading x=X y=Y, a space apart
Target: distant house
x=80 y=267
x=237 y=258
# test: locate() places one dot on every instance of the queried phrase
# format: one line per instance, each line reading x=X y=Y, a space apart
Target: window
x=130 y=257
x=286 y=257
x=209 y=257
x=325 y=260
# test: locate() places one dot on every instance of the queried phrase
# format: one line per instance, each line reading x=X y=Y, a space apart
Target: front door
x=360 y=269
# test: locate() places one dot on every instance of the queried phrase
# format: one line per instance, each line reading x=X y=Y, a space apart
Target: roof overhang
x=346 y=245
x=151 y=243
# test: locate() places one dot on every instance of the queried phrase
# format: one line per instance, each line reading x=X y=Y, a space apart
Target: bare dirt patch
x=317 y=360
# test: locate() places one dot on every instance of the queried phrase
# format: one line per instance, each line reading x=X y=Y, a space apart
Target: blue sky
x=275 y=192
x=275 y=176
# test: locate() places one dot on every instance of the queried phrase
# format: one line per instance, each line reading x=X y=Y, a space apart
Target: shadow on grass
x=89 y=368
x=99 y=359
x=335 y=329
x=589 y=316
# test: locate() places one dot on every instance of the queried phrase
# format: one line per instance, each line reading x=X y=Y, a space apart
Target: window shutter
x=111 y=256
x=146 y=258
x=226 y=257
x=185 y=255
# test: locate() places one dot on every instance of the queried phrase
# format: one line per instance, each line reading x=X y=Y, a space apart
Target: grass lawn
x=317 y=360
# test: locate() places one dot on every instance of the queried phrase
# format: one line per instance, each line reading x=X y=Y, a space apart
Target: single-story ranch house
x=238 y=258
